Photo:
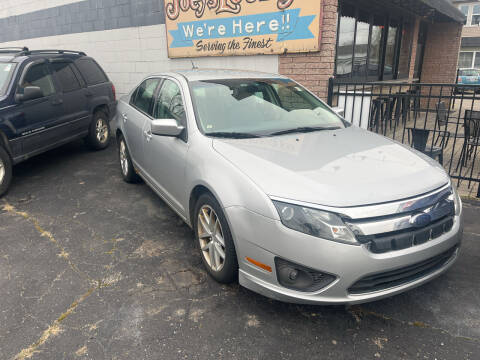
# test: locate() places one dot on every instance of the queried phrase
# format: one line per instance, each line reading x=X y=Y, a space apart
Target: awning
x=435 y=10
x=446 y=8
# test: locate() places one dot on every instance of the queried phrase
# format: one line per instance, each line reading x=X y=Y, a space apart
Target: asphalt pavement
x=94 y=268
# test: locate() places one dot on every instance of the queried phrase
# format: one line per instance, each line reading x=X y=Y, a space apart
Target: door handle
x=57 y=102
x=148 y=134
x=88 y=94
x=125 y=117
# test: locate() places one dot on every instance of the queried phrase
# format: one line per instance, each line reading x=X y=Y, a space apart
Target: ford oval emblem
x=420 y=220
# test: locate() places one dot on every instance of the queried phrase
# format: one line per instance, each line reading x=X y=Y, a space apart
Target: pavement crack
x=54 y=329
x=359 y=313
x=46 y=234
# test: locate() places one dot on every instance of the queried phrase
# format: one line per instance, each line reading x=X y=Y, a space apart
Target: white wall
x=17 y=7
x=130 y=54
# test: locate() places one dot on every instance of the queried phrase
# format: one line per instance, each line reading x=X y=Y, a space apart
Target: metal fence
x=440 y=120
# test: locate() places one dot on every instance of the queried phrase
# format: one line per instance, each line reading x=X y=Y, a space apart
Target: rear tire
x=213 y=237
x=5 y=171
x=98 y=137
x=126 y=166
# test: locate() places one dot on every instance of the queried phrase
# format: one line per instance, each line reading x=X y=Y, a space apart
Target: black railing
x=440 y=120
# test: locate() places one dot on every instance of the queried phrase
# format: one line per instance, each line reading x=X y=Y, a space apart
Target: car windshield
x=6 y=72
x=469 y=72
x=245 y=108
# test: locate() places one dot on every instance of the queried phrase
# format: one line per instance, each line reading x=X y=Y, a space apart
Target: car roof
x=17 y=56
x=218 y=74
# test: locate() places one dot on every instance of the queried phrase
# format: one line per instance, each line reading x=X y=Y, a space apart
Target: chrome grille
x=400 y=231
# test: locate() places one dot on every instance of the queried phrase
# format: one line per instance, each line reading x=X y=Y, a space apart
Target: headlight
x=315 y=222
x=456 y=200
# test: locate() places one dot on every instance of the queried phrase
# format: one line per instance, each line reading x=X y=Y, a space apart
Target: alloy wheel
x=123 y=158
x=2 y=171
x=210 y=235
x=101 y=131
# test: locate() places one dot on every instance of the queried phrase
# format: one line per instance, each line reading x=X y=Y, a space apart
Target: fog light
x=300 y=278
x=293 y=275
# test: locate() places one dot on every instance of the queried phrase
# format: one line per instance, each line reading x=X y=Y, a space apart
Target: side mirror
x=339 y=111
x=166 y=127
x=30 y=93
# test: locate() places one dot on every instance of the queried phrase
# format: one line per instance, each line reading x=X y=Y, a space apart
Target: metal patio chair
x=418 y=139
x=472 y=136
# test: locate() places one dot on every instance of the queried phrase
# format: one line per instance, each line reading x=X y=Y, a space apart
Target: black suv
x=49 y=98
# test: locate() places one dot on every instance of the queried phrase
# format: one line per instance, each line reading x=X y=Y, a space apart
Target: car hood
x=341 y=168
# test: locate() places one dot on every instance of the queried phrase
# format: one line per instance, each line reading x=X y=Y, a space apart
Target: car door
x=75 y=111
x=35 y=120
x=134 y=117
x=166 y=156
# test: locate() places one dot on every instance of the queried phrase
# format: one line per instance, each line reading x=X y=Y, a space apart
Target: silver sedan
x=285 y=195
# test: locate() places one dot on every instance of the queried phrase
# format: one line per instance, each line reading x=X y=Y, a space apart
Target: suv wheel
x=213 y=237
x=5 y=171
x=99 y=133
x=126 y=166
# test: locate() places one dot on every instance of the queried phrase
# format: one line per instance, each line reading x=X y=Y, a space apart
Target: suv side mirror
x=30 y=93
x=166 y=127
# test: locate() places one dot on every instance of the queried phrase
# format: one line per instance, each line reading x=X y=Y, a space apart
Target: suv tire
x=5 y=171
x=126 y=166
x=98 y=137
x=224 y=271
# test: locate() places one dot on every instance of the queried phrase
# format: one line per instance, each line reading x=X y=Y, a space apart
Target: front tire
x=98 y=137
x=126 y=166
x=214 y=239
x=5 y=171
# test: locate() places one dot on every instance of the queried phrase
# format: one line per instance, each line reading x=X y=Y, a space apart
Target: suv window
x=39 y=75
x=66 y=77
x=170 y=103
x=143 y=96
x=91 y=71
x=6 y=72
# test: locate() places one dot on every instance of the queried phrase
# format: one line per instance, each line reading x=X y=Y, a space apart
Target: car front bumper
x=263 y=239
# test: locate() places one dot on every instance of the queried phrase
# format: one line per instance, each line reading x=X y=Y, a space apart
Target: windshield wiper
x=305 y=129
x=232 y=135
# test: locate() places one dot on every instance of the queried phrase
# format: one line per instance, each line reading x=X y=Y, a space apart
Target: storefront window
x=375 y=46
x=362 y=48
x=465 y=60
x=390 y=51
x=346 y=37
x=361 y=45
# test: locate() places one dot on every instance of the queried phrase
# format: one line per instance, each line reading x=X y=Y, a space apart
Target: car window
x=169 y=104
x=39 y=75
x=292 y=98
x=469 y=72
x=66 y=77
x=91 y=71
x=6 y=73
x=143 y=96
x=258 y=107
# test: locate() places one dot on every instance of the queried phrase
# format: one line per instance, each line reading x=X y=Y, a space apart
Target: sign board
x=241 y=27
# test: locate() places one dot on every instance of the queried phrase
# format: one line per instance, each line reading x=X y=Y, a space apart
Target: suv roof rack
x=48 y=51
x=13 y=50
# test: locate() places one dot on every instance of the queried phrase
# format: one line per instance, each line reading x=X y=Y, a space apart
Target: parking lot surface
x=94 y=268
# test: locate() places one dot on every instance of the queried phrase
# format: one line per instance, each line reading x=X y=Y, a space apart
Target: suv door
x=166 y=156
x=35 y=120
x=136 y=115
x=75 y=112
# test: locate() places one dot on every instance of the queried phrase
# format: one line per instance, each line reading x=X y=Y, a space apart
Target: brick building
x=470 y=48
x=364 y=40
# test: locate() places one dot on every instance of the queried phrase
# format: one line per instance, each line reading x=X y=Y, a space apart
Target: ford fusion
x=283 y=194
